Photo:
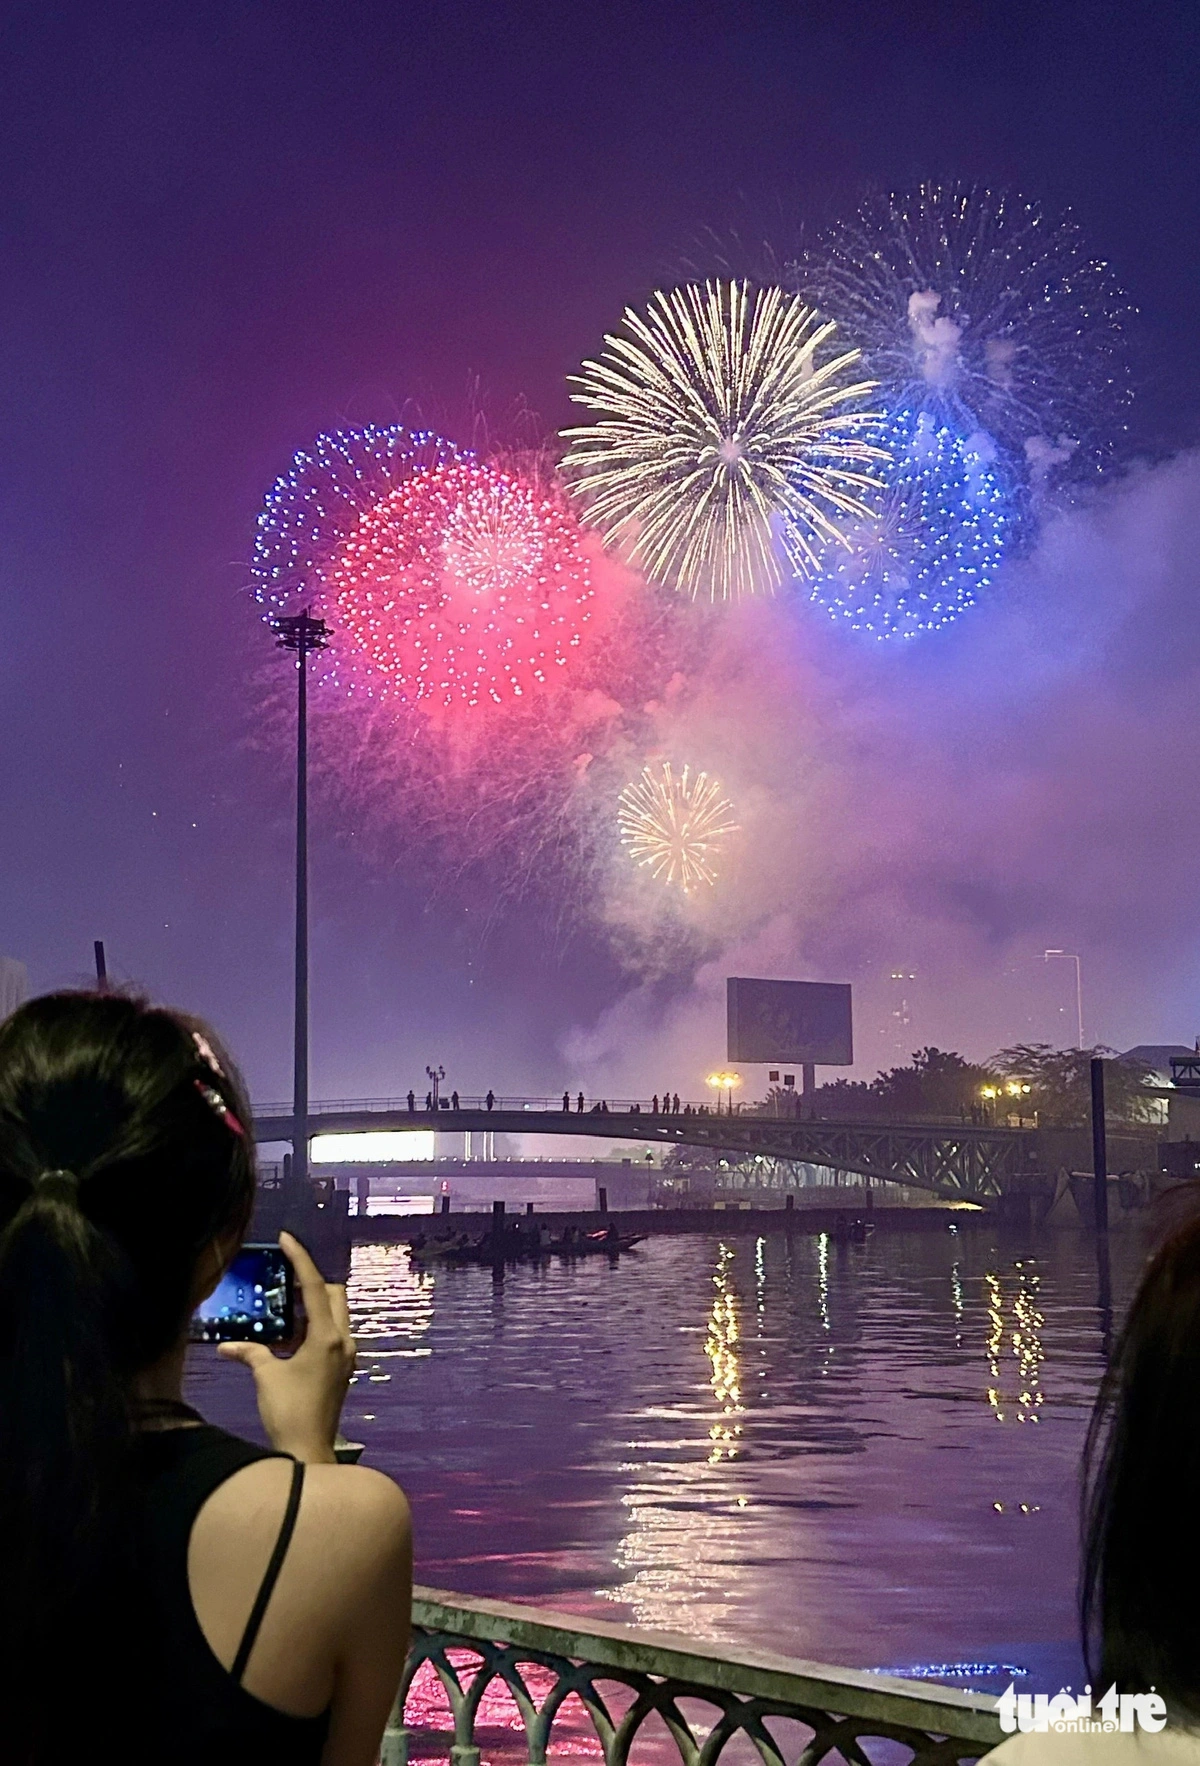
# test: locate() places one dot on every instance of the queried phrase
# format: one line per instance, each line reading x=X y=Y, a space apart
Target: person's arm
x=374 y=1636
x=365 y=1526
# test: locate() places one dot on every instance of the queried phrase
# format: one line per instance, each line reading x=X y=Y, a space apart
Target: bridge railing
x=480 y=1672
x=746 y=1110
x=540 y=1106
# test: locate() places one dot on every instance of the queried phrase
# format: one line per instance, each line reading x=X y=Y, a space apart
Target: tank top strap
x=181 y=1469
x=267 y=1586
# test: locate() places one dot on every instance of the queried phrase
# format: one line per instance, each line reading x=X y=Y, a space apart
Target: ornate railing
x=505 y=1673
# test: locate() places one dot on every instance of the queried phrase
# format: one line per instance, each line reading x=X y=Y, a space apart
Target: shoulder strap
x=259 y=1609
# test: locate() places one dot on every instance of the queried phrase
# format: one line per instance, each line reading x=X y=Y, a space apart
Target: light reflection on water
x=817 y=1448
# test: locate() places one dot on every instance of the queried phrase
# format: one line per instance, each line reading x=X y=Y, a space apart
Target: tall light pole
x=1070 y=957
x=302 y=634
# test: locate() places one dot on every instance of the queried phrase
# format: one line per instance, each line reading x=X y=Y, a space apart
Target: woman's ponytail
x=116 y=1172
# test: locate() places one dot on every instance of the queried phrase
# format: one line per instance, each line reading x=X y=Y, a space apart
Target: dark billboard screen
x=800 y=1021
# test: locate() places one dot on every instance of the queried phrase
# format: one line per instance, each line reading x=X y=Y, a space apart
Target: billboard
x=799 y=1021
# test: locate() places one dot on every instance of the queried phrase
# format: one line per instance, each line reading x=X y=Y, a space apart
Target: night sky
x=225 y=228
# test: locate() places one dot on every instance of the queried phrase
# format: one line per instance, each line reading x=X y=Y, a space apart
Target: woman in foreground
x=1141 y=1555
x=165 y=1588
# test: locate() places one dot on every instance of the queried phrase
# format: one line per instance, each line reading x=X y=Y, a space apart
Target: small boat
x=522 y=1248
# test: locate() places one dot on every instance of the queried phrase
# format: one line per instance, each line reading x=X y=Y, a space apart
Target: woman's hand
x=300 y=1396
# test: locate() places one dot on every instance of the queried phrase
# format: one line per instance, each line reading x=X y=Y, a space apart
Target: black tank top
x=211 y=1716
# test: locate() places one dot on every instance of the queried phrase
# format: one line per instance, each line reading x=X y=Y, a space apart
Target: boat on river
x=521 y=1246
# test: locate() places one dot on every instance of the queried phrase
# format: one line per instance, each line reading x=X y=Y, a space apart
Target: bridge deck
x=950 y=1159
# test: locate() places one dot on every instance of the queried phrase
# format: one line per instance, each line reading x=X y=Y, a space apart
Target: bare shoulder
x=359 y=1517
x=341 y=1506
x=357 y=1497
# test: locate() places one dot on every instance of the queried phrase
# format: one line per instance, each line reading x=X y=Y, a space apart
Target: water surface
x=865 y=1455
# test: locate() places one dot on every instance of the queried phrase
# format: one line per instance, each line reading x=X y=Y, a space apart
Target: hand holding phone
x=300 y=1397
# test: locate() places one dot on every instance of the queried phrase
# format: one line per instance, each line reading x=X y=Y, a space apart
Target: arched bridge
x=953 y=1160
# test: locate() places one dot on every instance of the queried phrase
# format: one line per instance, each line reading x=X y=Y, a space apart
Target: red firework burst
x=462 y=586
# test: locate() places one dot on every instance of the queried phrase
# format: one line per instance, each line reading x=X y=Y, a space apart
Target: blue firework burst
x=328 y=486
x=935 y=538
x=989 y=311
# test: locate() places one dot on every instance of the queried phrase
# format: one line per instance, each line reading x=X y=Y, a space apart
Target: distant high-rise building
x=14 y=985
x=899 y=982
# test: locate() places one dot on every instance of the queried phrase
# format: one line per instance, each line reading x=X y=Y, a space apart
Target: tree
x=1060 y=1083
x=938 y=1083
x=846 y=1100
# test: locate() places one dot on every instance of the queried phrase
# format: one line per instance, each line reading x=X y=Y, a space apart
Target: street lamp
x=724 y=1082
x=1070 y=957
x=302 y=634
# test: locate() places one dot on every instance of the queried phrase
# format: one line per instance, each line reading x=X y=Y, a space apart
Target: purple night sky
x=225 y=229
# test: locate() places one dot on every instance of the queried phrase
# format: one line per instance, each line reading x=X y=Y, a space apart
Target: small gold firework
x=675 y=825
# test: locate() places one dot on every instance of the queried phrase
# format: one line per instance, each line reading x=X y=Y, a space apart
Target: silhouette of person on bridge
x=429 y=1100
x=654 y=1105
x=454 y=1100
x=675 y=1105
x=412 y=1103
x=490 y=1100
x=566 y=1102
x=579 y=1104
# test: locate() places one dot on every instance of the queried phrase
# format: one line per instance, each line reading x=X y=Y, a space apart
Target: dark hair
x=118 y=1166
x=1141 y=1546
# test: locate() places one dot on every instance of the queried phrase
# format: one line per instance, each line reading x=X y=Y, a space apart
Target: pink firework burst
x=462 y=586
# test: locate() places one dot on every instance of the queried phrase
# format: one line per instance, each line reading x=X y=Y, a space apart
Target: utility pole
x=1099 y=1149
x=301 y=634
x=1100 y=1181
x=101 y=966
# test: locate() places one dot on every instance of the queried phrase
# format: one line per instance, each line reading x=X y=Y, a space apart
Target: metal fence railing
x=483 y=1673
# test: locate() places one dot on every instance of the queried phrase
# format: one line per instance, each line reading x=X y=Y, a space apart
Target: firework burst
x=989 y=312
x=675 y=825
x=932 y=544
x=462 y=586
x=320 y=498
x=725 y=456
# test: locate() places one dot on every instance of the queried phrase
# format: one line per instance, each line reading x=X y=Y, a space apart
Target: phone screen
x=253 y=1302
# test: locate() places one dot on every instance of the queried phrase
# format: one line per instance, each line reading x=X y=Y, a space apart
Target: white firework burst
x=725 y=455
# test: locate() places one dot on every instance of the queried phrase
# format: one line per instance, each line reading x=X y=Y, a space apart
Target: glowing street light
x=724 y=1082
x=1070 y=957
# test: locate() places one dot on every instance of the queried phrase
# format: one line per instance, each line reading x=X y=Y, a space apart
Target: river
x=866 y=1455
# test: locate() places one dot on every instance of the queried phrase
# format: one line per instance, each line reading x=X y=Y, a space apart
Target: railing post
x=393 y=1749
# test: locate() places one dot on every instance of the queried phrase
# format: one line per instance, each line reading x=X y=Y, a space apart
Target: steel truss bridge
x=950 y=1160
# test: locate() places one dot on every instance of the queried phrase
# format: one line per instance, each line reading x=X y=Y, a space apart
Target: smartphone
x=254 y=1302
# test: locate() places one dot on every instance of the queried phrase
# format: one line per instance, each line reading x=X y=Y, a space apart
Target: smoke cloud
x=926 y=820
